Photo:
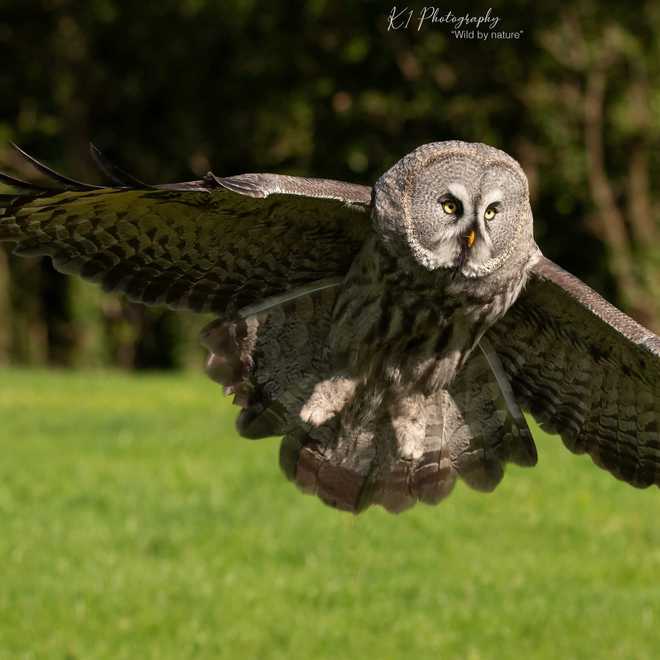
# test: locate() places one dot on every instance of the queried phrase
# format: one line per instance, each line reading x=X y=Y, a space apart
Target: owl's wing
x=213 y=245
x=585 y=370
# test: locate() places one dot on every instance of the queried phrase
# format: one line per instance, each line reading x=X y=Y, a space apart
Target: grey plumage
x=586 y=371
x=349 y=317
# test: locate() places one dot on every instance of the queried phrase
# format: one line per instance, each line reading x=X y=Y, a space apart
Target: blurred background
x=171 y=89
x=134 y=522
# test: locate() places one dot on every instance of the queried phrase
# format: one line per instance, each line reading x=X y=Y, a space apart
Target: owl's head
x=455 y=205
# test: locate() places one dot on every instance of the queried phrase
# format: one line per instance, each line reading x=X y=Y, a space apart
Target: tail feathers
x=353 y=443
x=395 y=450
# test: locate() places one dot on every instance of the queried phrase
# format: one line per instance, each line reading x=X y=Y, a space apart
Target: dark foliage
x=173 y=88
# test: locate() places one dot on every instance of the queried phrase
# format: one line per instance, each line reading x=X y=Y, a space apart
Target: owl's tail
x=352 y=442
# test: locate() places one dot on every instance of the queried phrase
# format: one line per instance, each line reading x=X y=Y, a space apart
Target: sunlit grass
x=136 y=524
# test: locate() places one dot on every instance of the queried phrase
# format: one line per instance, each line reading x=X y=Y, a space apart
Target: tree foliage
x=173 y=88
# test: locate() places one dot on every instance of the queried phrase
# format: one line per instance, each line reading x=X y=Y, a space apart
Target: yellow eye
x=449 y=207
x=490 y=213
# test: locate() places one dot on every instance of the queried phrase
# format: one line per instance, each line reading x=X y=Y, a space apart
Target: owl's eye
x=491 y=212
x=450 y=205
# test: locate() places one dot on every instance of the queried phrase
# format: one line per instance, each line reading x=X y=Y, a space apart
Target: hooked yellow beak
x=471 y=238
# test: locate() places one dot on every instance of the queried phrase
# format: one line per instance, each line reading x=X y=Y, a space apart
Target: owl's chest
x=391 y=321
x=398 y=317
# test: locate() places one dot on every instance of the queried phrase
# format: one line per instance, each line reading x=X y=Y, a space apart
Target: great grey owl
x=391 y=335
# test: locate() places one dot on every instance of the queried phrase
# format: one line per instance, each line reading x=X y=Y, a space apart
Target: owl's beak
x=471 y=238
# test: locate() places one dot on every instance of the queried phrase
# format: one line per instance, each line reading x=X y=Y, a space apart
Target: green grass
x=136 y=524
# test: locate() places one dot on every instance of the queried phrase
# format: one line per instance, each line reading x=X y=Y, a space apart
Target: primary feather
x=213 y=245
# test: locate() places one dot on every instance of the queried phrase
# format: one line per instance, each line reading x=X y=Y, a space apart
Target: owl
x=392 y=336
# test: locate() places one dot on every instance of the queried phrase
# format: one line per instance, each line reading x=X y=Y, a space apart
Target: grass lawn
x=136 y=524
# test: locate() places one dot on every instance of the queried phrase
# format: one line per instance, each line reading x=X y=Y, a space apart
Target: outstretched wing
x=586 y=371
x=213 y=245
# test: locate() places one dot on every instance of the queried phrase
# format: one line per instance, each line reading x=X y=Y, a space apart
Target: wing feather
x=213 y=245
x=585 y=370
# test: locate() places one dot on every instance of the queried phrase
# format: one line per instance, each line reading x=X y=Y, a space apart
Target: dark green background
x=173 y=88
